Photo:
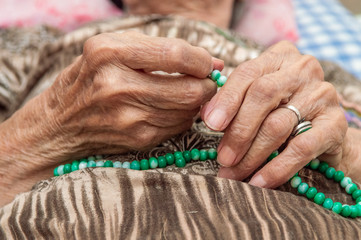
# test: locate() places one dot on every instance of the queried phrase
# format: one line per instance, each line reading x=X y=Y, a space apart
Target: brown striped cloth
x=170 y=203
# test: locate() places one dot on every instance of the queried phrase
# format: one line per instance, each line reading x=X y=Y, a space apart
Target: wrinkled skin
x=107 y=101
x=246 y=108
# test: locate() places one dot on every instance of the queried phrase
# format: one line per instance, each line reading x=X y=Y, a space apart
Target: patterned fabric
x=329 y=32
x=174 y=203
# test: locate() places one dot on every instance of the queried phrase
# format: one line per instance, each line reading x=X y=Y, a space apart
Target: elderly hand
x=108 y=101
x=247 y=109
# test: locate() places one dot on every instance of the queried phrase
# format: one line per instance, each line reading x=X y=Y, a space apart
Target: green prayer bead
x=356 y=194
x=358 y=199
x=144 y=164
x=83 y=160
x=117 y=164
x=135 y=165
x=272 y=156
x=100 y=163
x=153 y=162
x=295 y=182
x=74 y=166
x=203 y=155
x=315 y=163
x=337 y=207
x=328 y=203
x=91 y=158
x=91 y=163
x=221 y=81
x=187 y=156
x=350 y=188
x=346 y=211
x=56 y=172
x=170 y=158
x=330 y=172
x=354 y=212
x=98 y=157
x=162 y=162
x=195 y=154
x=322 y=167
x=319 y=198
x=178 y=154
x=108 y=163
x=302 y=188
x=180 y=162
x=345 y=181
x=61 y=170
x=212 y=153
x=339 y=175
x=311 y=192
x=83 y=164
x=126 y=165
x=358 y=206
x=67 y=168
x=216 y=74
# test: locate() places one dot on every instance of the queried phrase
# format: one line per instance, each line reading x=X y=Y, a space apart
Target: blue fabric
x=329 y=32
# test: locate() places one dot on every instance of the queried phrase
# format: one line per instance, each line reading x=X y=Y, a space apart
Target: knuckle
x=240 y=132
x=305 y=147
x=194 y=96
x=275 y=127
x=95 y=48
x=329 y=93
x=311 y=63
x=249 y=69
x=230 y=98
x=264 y=89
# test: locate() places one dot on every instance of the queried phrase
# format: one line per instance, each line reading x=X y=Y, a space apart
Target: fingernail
x=216 y=119
x=226 y=156
x=225 y=172
x=258 y=181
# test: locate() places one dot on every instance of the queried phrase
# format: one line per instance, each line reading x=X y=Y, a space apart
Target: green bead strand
x=153 y=162
x=346 y=211
x=170 y=158
x=135 y=165
x=328 y=203
x=315 y=163
x=350 y=188
x=212 y=153
x=109 y=164
x=339 y=175
x=144 y=164
x=322 y=167
x=319 y=198
x=311 y=193
x=296 y=181
x=337 y=207
x=203 y=155
x=302 y=188
x=67 y=168
x=180 y=162
x=330 y=172
x=178 y=154
x=162 y=162
x=195 y=154
x=187 y=156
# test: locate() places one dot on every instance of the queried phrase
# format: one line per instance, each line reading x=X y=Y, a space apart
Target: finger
x=301 y=150
x=175 y=92
x=274 y=131
x=265 y=94
x=225 y=104
x=138 y=51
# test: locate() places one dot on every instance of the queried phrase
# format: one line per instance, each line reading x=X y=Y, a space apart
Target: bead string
x=180 y=159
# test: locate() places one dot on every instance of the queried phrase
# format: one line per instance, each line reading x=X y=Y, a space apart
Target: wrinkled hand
x=246 y=109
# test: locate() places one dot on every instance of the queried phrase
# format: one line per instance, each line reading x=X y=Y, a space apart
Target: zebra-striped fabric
x=170 y=203
x=126 y=204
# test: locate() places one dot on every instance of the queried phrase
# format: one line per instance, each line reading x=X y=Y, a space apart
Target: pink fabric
x=268 y=21
x=63 y=14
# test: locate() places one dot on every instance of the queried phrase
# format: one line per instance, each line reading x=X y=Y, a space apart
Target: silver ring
x=293 y=109
x=301 y=127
